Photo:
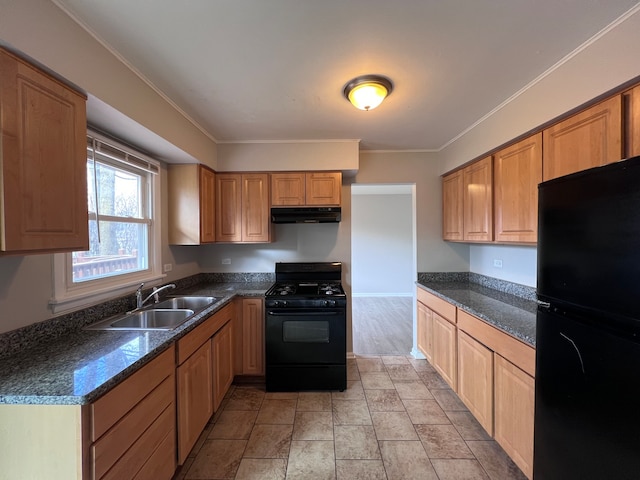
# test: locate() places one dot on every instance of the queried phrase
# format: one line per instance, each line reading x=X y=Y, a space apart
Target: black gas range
x=305 y=328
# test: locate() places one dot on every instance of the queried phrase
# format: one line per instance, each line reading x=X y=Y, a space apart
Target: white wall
x=518 y=262
x=382 y=250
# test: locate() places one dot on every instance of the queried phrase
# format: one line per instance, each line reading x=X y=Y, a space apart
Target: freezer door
x=587 y=410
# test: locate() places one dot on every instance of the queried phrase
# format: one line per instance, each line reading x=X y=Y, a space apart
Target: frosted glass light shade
x=367 y=92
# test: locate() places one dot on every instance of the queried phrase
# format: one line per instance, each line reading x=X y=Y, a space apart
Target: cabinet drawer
x=438 y=305
x=113 y=444
x=114 y=405
x=192 y=341
x=162 y=463
x=140 y=452
x=517 y=352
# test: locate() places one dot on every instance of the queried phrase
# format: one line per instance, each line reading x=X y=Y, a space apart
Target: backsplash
x=47 y=330
x=522 y=291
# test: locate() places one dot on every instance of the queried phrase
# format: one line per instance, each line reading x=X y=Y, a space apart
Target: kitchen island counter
x=79 y=367
x=512 y=314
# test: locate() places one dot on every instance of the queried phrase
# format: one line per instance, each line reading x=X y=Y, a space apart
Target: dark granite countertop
x=80 y=367
x=512 y=314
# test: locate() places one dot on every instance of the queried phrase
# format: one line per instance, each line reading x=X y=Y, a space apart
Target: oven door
x=305 y=336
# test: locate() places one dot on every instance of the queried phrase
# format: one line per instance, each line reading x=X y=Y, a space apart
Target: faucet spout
x=140 y=303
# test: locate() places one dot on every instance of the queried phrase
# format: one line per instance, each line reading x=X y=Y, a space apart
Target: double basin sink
x=165 y=315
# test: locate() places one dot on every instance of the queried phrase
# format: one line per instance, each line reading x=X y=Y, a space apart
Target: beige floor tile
x=495 y=461
x=360 y=470
x=262 y=469
x=277 y=411
x=402 y=372
x=311 y=459
x=245 y=398
x=269 y=441
x=351 y=412
x=370 y=364
x=376 y=380
x=356 y=442
x=354 y=391
x=282 y=395
x=200 y=442
x=443 y=441
x=459 y=470
x=352 y=371
x=421 y=365
x=234 y=425
x=313 y=426
x=406 y=460
x=394 y=360
x=433 y=380
x=448 y=400
x=467 y=425
x=384 y=401
x=314 y=402
x=393 y=426
x=218 y=459
x=426 y=412
x=413 y=390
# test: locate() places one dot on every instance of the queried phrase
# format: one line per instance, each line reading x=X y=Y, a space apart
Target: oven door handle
x=297 y=313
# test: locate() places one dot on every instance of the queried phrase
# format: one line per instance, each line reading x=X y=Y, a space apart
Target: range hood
x=305 y=214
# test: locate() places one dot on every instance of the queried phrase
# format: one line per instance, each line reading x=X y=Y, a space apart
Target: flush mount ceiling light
x=367 y=91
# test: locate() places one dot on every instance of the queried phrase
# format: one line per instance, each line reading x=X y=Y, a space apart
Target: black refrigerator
x=587 y=399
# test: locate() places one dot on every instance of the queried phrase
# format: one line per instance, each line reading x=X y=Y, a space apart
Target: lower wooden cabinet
x=444 y=341
x=248 y=335
x=425 y=328
x=475 y=379
x=195 y=398
x=222 y=345
x=514 y=413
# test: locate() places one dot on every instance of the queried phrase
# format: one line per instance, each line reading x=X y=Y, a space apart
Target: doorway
x=384 y=268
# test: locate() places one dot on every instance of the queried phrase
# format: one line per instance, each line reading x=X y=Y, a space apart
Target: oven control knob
x=329 y=303
x=280 y=303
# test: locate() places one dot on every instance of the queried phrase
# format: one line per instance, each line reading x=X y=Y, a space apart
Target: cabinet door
x=324 y=188
x=228 y=207
x=444 y=349
x=424 y=330
x=256 y=225
x=222 y=344
x=477 y=203
x=514 y=411
x=252 y=336
x=588 y=139
x=517 y=173
x=452 y=212
x=207 y=205
x=195 y=398
x=632 y=122
x=43 y=157
x=475 y=379
x=287 y=189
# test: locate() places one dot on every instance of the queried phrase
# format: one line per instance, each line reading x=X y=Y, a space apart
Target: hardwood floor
x=382 y=325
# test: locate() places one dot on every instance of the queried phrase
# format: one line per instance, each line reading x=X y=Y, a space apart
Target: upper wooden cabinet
x=242 y=208
x=517 y=173
x=632 y=122
x=452 y=213
x=43 y=156
x=306 y=188
x=588 y=139
x=477 y=203
x=192 y=218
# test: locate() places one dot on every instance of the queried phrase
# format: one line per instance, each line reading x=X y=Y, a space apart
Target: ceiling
x=256 y=70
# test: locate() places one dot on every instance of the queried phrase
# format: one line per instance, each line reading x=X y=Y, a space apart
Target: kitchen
x=25 y=288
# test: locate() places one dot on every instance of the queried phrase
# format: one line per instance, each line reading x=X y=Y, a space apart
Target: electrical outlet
x=497 y=263
x=226 y=261
x=167 y=267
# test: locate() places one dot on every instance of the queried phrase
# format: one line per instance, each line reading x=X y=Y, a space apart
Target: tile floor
x=397 y=420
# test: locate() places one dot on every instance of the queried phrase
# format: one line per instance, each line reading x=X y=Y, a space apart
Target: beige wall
x=283 y=156
x=45 y=33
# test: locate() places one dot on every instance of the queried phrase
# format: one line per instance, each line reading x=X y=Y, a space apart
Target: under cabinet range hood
x=305 y=214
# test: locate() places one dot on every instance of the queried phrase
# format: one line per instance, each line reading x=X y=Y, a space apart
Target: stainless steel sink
x=165 y=315
x=190 y=302
x=152 y=320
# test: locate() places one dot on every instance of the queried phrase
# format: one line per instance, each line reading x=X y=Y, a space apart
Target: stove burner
x=284 y=289
x=329 y=289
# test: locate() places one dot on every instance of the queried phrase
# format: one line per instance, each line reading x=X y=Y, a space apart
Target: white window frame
x=68 y=296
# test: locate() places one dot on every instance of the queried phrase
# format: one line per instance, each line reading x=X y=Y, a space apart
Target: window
x=123 y=228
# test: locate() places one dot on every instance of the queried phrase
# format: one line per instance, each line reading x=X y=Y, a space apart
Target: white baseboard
x=382 y=294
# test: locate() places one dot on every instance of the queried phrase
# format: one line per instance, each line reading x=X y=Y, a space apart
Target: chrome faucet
x=140 y=302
